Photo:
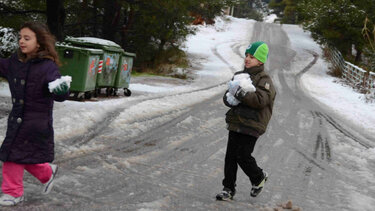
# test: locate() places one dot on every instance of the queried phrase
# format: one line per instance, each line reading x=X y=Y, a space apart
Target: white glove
x=232 y=100
x=233 y=86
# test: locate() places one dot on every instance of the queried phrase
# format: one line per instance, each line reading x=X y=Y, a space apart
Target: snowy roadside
x=341 y=99
x=350 y=107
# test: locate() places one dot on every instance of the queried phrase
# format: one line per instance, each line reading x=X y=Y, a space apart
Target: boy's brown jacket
x=252 y=115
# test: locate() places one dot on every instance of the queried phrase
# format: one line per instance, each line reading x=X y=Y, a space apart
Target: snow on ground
x=270 y=19
x=350 y=106
x=74 y=118
x=341 y=99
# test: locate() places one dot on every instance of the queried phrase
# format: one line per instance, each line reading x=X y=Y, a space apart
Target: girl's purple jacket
x=29 y=137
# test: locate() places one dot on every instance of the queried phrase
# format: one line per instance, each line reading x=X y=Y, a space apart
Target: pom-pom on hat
x=259 y=50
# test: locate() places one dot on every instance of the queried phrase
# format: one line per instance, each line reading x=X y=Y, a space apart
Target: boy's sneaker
x=256 y=189
x=8 y=200
x=49 y=185
x=225 y=195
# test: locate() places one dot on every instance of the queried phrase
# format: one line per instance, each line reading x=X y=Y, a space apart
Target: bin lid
x=95 y=43
x=129 y=54
x=71 y=47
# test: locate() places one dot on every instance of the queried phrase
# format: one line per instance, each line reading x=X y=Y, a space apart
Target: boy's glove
x=240 y=85
x=232 y=100
x=240 y=93
x=60 y=86
x=233 y=86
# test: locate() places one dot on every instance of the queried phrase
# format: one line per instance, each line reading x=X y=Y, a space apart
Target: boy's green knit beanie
x=259 y=50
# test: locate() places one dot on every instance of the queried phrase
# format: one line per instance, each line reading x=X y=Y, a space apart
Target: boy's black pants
x=239 y=149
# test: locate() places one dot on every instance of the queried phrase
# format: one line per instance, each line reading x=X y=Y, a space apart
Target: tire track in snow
x=324 y=115
x=95 y=130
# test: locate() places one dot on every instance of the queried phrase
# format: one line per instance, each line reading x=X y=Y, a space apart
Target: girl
x=28 y=142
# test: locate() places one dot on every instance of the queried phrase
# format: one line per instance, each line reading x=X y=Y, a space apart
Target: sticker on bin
x=108 y=62
x=100 y=66
x=92 y=67
x=125 y=66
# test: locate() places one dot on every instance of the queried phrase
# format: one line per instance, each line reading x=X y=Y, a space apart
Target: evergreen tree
x=147 y=28
x=290 y=11
x=335 y=22
x=251 y=9
x=13 y=13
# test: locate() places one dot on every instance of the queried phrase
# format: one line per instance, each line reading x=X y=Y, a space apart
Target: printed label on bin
x=125 y=66
x=100 y=66
x=111 y=63
x=93 y=65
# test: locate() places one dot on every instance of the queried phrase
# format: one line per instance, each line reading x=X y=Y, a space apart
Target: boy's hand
x=240 y=93
x=233 y=87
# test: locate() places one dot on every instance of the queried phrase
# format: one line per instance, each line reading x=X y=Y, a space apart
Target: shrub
x=8 y=42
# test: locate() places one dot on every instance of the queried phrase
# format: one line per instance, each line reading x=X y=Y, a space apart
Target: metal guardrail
x=352 y=73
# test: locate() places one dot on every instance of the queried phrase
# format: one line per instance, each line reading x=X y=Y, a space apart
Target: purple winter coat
x=29 y=136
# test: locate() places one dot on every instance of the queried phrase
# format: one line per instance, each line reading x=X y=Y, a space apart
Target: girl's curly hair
x=45 y=40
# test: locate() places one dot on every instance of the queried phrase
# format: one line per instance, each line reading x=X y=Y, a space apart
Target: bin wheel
x=88 y=95
x=97 y=91
x=115 y=91
x=109 y=92
x=75 y=96
x=79 y=96
x=127 y=92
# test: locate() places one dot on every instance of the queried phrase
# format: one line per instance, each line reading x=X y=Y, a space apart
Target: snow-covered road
x=163 y=147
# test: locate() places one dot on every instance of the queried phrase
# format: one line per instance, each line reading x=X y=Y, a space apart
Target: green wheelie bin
x=124 y=72
x=110 y=60
x=82 y=65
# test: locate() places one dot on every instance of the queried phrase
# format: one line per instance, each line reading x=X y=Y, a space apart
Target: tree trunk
x=111 y=19
x=56 y=18
x=128 y=22
x=95 y=7
x=358 y=56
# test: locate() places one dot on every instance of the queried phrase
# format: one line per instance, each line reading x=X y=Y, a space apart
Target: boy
x=247 y=119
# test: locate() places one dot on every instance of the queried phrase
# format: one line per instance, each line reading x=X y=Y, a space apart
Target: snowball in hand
x=244 y=82
x=240 y=80
x=52 y=85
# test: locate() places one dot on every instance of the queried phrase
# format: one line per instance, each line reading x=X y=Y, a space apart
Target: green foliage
x=245 y=9
x=334 y=22
x=209 y=9
x=167 y=62
x=368 y=32
x=148 y=28
x=156 y=27
x=290 y=11
x=277 y=6
x=8 y=42
x=344 y=24
x=287 y=10
x=13 y=13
